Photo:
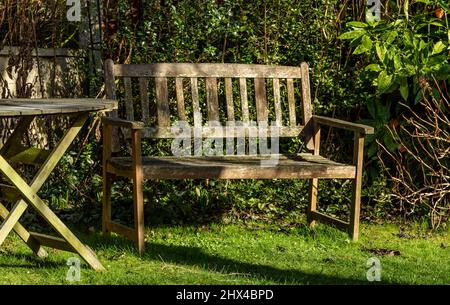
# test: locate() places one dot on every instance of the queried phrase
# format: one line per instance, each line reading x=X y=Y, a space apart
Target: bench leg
x=106 y=219
x=138 y=196
x=314 y=182
x=107 y=181
x=312 y=207
x=357 y=182
x=138 y=200
x=355 y=210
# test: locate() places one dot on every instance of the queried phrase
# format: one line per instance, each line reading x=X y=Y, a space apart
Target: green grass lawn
x=237 y=254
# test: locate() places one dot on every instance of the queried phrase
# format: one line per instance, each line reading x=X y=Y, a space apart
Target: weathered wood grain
x=34 y=107
x=145 y=104
x=262 y=112
x=235 y=167
x=196 y=103
x=229 y=99
x=52 y=242
x=244 y=99
x=360 y=128
x=129 y=105
x=212 y=99
x=277 y=102
x=206 y=70
x=358 y=155
x=220 y=131
x=291 y=102
x=180 y=99
x=162 y=101
x=138 y=197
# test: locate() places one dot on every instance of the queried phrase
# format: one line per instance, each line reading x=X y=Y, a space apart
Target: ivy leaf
x=436 y=23
x=359 y=50
x=381 y=51
x=367 y=42
x=391 y=37
x=397 y=62
x=384 y=81
x=364 y=47
x=438 y=48
x=373 y=67
x=357 y=24
x=352 y=34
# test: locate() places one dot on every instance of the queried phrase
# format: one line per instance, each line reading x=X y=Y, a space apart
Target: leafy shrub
x=408 y=63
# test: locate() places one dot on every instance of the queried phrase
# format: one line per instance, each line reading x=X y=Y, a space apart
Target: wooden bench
x=167 y=92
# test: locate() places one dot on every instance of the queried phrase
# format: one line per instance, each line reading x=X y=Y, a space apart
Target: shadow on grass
x=193 y=256
x=31 y=261
x=196 y=257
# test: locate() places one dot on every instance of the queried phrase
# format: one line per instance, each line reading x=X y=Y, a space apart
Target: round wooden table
x=23 y=194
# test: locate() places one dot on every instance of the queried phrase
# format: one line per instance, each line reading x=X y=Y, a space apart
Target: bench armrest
x=360 y=128
x=122 y=123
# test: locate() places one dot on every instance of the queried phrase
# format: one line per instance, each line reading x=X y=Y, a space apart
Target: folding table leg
x=14 y=141
x=16 y=137
x=28 y=193
x=32 y=243
x=44 y=171
x=31 y=198
x=11 y=220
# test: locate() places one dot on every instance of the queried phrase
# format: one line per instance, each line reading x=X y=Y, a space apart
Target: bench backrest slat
x=244 y=100
x=143 y=95
x=181 y=110
x=261 y=100
x=129 y=107
x=162 y=101
x=277 y=102
x=229 y=99
x=196 y=103
x=196 y=93
x=291 y=101
x=212 y=99
x=205 y=70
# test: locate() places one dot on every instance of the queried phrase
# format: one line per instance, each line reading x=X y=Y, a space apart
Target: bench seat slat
x=235 y=167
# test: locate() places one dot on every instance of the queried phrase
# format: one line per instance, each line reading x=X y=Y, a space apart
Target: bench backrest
x=162 y=93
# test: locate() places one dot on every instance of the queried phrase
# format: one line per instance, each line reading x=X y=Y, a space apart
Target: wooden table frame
x=25 y=195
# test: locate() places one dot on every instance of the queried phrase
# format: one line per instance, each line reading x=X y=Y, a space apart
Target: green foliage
x=403 y=50
x=281 y=32
x=408 y=63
